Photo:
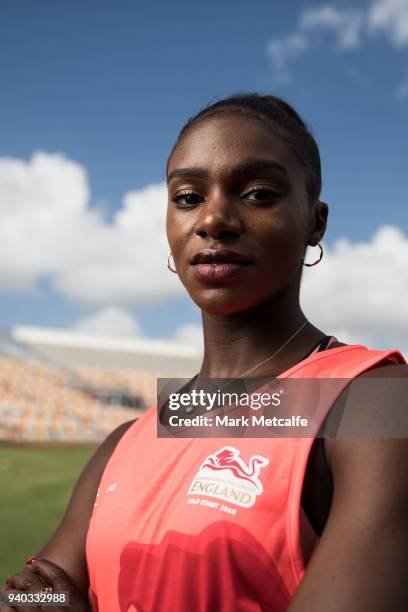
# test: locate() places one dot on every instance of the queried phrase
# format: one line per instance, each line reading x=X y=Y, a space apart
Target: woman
x=326 y=529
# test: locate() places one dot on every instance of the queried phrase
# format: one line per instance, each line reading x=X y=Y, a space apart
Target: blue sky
x=107 y=86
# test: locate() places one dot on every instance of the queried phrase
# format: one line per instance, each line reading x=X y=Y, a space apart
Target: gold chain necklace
x=258 y=365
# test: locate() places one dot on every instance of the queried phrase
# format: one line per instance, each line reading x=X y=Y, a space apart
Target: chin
x=222 y=302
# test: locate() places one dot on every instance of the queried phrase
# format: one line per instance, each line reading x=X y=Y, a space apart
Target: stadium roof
x=9 y=348
x=67 y=348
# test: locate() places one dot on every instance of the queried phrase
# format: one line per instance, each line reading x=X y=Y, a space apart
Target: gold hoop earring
x=317 y=260
x=169 y=266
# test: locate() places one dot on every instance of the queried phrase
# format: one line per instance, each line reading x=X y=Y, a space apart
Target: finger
x=35 y=586
x=59 y=580
x=28 y=581
x=52 y=574
x=4 y=607
x=8 y=585
x=17 y=608
x=25 y=581
x=9 y=582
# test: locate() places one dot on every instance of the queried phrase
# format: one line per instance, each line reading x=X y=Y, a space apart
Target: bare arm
x=360 y=563
x=66 y=547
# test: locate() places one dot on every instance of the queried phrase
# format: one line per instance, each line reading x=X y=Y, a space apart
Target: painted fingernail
x=31 y=560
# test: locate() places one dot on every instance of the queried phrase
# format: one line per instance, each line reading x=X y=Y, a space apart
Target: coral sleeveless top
x=159 y=542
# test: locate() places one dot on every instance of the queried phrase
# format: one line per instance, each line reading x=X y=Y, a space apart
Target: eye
x=187 y=199
x=261 y=193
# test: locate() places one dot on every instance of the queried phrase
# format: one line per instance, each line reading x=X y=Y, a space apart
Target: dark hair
x=277 y=111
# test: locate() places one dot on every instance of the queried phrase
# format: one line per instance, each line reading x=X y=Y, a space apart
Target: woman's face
x=234 y=184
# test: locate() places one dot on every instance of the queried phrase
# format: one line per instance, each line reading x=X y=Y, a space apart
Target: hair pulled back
x=282 y=117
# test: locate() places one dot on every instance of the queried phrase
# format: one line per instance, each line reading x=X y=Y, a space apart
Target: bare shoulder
x=373 y=405
x=391 y=370
x=372 y=428
x=66 y=547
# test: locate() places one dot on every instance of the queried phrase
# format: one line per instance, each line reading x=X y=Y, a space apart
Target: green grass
x=35 y=486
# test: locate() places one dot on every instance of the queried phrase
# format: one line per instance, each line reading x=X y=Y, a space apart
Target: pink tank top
x=157 y=542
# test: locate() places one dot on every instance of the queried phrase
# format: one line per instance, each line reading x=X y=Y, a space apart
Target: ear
x=320 y=213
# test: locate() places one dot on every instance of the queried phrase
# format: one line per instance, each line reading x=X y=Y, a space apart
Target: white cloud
x=48 y=229
x=349 y=28
x=345 y=24
x=41 y=202
x=284 y=50
x=391 y=18
x=125 y=262
x=109 y=321
x=360 y=291
x=118 y=321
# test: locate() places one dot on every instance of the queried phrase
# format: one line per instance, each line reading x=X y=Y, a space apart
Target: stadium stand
x=41 y=403
x=62 y=387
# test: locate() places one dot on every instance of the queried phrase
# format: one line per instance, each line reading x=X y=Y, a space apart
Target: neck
x=236 y=342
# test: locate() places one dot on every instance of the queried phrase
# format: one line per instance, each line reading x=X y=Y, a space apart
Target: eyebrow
x=246 y=167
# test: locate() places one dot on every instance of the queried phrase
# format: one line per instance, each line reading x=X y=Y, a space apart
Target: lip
x=220 y=265
x=220 y=256
x=219 y=272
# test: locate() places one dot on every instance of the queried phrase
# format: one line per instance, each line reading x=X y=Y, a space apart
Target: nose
x=218 y=217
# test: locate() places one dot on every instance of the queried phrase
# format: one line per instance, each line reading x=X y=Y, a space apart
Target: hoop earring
x=169 y=266
x=317 y=260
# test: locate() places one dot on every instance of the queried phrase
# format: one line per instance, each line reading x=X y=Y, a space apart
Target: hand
x=42 y=573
